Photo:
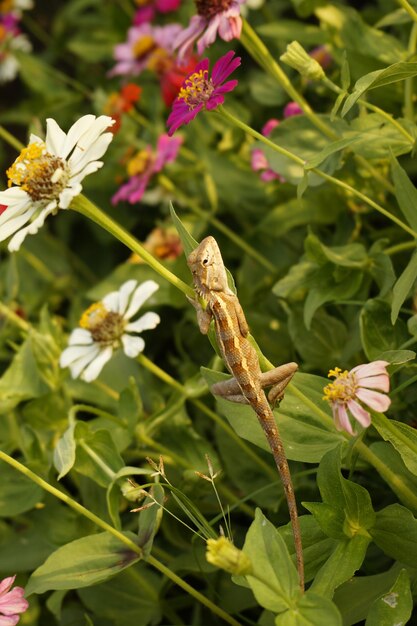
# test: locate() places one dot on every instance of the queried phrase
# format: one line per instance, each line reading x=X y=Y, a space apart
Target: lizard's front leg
x=204 y=316
x=277 y=378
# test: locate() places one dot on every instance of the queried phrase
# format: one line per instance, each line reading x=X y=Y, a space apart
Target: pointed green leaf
x=311 y=610
x=405 y=192
x=402 y=436
x=395 y=532
x=395 y=607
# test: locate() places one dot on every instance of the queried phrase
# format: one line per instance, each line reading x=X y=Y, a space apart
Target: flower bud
x=300 y=60
x=223 y=554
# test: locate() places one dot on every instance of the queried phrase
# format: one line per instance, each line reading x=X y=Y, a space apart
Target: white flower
x=48 y=174
x=9 y=65
x=106 y=325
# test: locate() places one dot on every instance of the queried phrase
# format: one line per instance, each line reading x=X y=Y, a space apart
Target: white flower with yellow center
x=105 y=326
x=47 y=175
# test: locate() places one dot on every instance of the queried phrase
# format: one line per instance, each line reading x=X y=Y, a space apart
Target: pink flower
x=213 y=16
x=146 y=46
x=349 y=387
x=201 y=92
x=148 y=9
x=259 y=162
x=291 y=109
x=144 y=165
x=322 y=55
x=11 y=602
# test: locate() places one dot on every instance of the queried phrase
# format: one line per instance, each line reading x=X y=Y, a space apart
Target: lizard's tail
x=269 y=426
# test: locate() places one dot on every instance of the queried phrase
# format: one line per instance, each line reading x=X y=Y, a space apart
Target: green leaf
x=400 y=476
x=395 y=532
x=97 y=456
x=332 y=148
x=405 y=192
x=311 y=610
x=394 y=607
x=402 y=437
x=342 y=564
x=403 y=287
x=17 y=493
x=150 y=518
x=377 y=333
x=352 y=256
x=83 y=562
x=288 y=30
x=115 y=488
x=324 y=288
x=306 y=437
x=274 y=581
x=64 y=453
x=187 y=240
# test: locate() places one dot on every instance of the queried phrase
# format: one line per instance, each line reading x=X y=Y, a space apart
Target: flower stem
x=11 y=316
x=119 y=535
x=165 y=377
x=10 y=139
x=331 y=179
x=87 y=208
x=410 y=10
x=409 y=82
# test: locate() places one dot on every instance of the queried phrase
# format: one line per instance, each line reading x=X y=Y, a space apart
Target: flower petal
x=132 y=346
x=374 y=399
x=141 y=294
x=125 y=292
x=341 y=418
x=224 y=67
x=93 y=370
x=146 y=322
x=370 y=369
x=78 y=366
x=13 y=602
x=55 y=137
x=72 y=354
x=111 y=301
x=359 y=413
x=80 y=336
x=6 y=584
x=380 y=382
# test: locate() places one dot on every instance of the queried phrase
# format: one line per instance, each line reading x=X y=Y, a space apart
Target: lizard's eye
x=205 y=261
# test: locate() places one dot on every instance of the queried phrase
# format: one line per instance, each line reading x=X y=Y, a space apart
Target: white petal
x=132 y=346
x=12 y=195
x=111 y=301
x=13 y=224
x=80 y=336
x=35 y=139
x=93 y=370
x=73 y=353
x=146 y=322
x=66 y=196
x=142 y=293
x=80 y=158
x=75 y=132
x=77 y=367
x=32 y=228
x=90 y=168
x=90 y=137
x=55 y=137
x=125 y=292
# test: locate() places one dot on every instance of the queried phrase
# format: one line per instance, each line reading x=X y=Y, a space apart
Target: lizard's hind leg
x=229 y=390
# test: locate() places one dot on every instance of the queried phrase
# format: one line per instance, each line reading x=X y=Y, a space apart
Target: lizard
x=248 y=382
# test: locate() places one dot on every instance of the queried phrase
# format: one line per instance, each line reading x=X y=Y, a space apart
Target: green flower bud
x=223 y=554
x=300 y=60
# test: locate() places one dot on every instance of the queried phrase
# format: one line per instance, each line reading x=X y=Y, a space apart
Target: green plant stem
x=409 y=82
x=379 y=420
x=11 y=316
x=407 y=6
x=260 y=53
x=119 y=535
x=230 y=234
x=88 y=209
x=166 y=378
x=10 y=139
x=390 y=477
x=400 y=247
x=331 y=179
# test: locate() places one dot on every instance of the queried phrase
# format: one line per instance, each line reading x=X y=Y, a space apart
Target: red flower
x=171 y=81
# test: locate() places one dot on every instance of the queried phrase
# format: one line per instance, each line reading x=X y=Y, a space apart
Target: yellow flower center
x=344 y=387
x=106 y=327
x=143 y=46
x=41 y=174
x=198 y=88
x=138 y=164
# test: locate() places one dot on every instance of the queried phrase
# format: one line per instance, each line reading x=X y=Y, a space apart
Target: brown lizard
x=246 y=386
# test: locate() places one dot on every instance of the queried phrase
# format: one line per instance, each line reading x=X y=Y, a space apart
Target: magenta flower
x=259 y=162
x=146 y=46
x=358 y=384
x=11 y=602
x=291 y=109
x=199 y=92
x=144 y=165
x=213 y=16
x=148 y=9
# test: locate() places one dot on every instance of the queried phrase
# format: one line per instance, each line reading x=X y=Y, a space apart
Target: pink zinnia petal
x=341 y=418
x=374 y=399
x=359 y=413
x=230 y=28
x=6 y=584
x=380 y=382
x=13 y=602
x=269 y=127
x=10 y=620
x=370 y=369
x=209 y=36
x=224 y=67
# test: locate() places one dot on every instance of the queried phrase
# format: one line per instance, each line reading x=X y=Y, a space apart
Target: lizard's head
x=207 y=268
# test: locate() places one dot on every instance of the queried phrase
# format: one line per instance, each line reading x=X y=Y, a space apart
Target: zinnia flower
x=149 y=8
x=144 y=165
x=106 y=325
x=15 y=6
x=11 y=40
x=47 y=174
x=213 y=17
x=163 y=243
x=358 y=384
x=11 y=602
x=259 y=162
x=121 y=102
x=291 y=109
x=201 y=92
x=146 y=47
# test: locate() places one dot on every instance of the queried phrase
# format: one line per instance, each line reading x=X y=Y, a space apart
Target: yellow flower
x=223 y=554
